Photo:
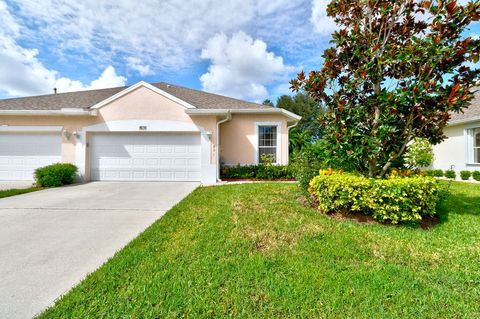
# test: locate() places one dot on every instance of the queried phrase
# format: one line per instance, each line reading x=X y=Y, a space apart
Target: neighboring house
x=461 y=150
x=145 y=132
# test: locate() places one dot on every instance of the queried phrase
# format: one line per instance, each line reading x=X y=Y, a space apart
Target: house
x=145 y=132
x=461 y=150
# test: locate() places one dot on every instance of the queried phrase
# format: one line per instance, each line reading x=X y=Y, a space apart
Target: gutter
x=270 y=110
x=464 y=121
x=61 y=112
x=228 y=118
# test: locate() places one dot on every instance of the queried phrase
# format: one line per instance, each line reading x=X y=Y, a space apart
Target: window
x=476 y=145
x=267 y=143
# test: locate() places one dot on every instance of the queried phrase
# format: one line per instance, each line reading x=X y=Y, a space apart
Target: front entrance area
x=143 y=156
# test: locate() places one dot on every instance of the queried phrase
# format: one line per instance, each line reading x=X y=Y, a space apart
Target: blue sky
x=247 y=49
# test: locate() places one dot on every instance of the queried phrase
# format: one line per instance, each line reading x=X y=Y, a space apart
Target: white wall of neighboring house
x=456 y=150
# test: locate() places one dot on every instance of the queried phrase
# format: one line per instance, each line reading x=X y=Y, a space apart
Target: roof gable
x=136 y=86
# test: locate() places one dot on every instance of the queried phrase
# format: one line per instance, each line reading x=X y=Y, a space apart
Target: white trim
x=62 y=112
x=146 y=85
x=147 y=126
x=8 y=128
x=279 y=141
x=288 y=114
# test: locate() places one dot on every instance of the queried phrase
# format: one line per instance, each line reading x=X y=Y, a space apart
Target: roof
x=472 y=113
x=87 y=99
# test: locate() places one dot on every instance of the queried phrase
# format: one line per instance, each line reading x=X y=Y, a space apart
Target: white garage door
x=21 y=154
x=145 y=157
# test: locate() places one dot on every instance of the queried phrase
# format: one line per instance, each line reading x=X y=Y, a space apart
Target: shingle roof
x=87 y=99
x=472 y=112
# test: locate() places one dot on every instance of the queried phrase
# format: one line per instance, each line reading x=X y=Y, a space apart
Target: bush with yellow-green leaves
x=394 y=200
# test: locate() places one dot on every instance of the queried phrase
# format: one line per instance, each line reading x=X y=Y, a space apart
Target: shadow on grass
x=459 y=199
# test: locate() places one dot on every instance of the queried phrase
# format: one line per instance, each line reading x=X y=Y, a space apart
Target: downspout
x=228 y=118
x=288 y=140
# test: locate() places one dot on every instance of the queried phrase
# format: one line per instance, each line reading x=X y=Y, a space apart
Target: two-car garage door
x=145 y=157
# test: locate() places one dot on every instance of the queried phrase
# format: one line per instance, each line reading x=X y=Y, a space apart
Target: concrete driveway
x=51 y=239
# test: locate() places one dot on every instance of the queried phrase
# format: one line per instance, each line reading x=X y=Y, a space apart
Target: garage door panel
x=149 y=156
x=21 y=154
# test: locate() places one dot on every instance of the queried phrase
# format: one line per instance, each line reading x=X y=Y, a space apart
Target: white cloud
x=241 y=67
x=322 y=23
x=137 y=65
x=164 y=35
x=24 y=74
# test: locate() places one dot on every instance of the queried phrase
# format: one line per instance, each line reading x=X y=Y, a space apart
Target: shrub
x=465 y=175
x=261 y=171
x=434 y=172
x=419 y=154
x=450 y=174
x=307 y=162
x=476 y=175
x=392 y=200
x=56 y=175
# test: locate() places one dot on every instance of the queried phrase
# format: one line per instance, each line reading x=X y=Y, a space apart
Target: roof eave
x=61 y=112
x=464 y=121
x=292 y=116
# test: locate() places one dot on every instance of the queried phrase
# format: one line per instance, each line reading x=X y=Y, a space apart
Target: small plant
x=451 y=174
x=476 y=175
x=419 y=154
x=465 y=175
x=56 y=175
x=438 y=173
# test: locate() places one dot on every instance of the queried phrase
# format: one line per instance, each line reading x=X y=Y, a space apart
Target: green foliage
x=55 y=175
x=393 y=200
x=268 y=102
x=450 y=174
x=419 y=154
x=262 y=171
x=308 y=129
x=476 y=175
x=308 y=161
x=465 y=175
x=391 y=76
x=434 y=172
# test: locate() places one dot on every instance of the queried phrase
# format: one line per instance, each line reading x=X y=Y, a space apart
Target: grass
x=17 y=191
x=252 y=251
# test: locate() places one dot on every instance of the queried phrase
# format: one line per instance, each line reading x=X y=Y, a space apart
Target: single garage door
x=21 y=154
x=145 y=157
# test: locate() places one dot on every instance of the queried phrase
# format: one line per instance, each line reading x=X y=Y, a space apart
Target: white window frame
x=278 y=125
x=470 y=142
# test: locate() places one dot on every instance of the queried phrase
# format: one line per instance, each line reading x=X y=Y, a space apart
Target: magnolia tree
x=396 y=70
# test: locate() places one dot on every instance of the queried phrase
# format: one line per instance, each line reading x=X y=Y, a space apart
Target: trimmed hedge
x=394 y=200
x=451 y=174
x=56 y=175
x=434 y=173
x=261 y=171
x=476 y=175
x=465 y=175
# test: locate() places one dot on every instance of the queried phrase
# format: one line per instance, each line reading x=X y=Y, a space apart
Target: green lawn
x=17 y=191
x=252 y=251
